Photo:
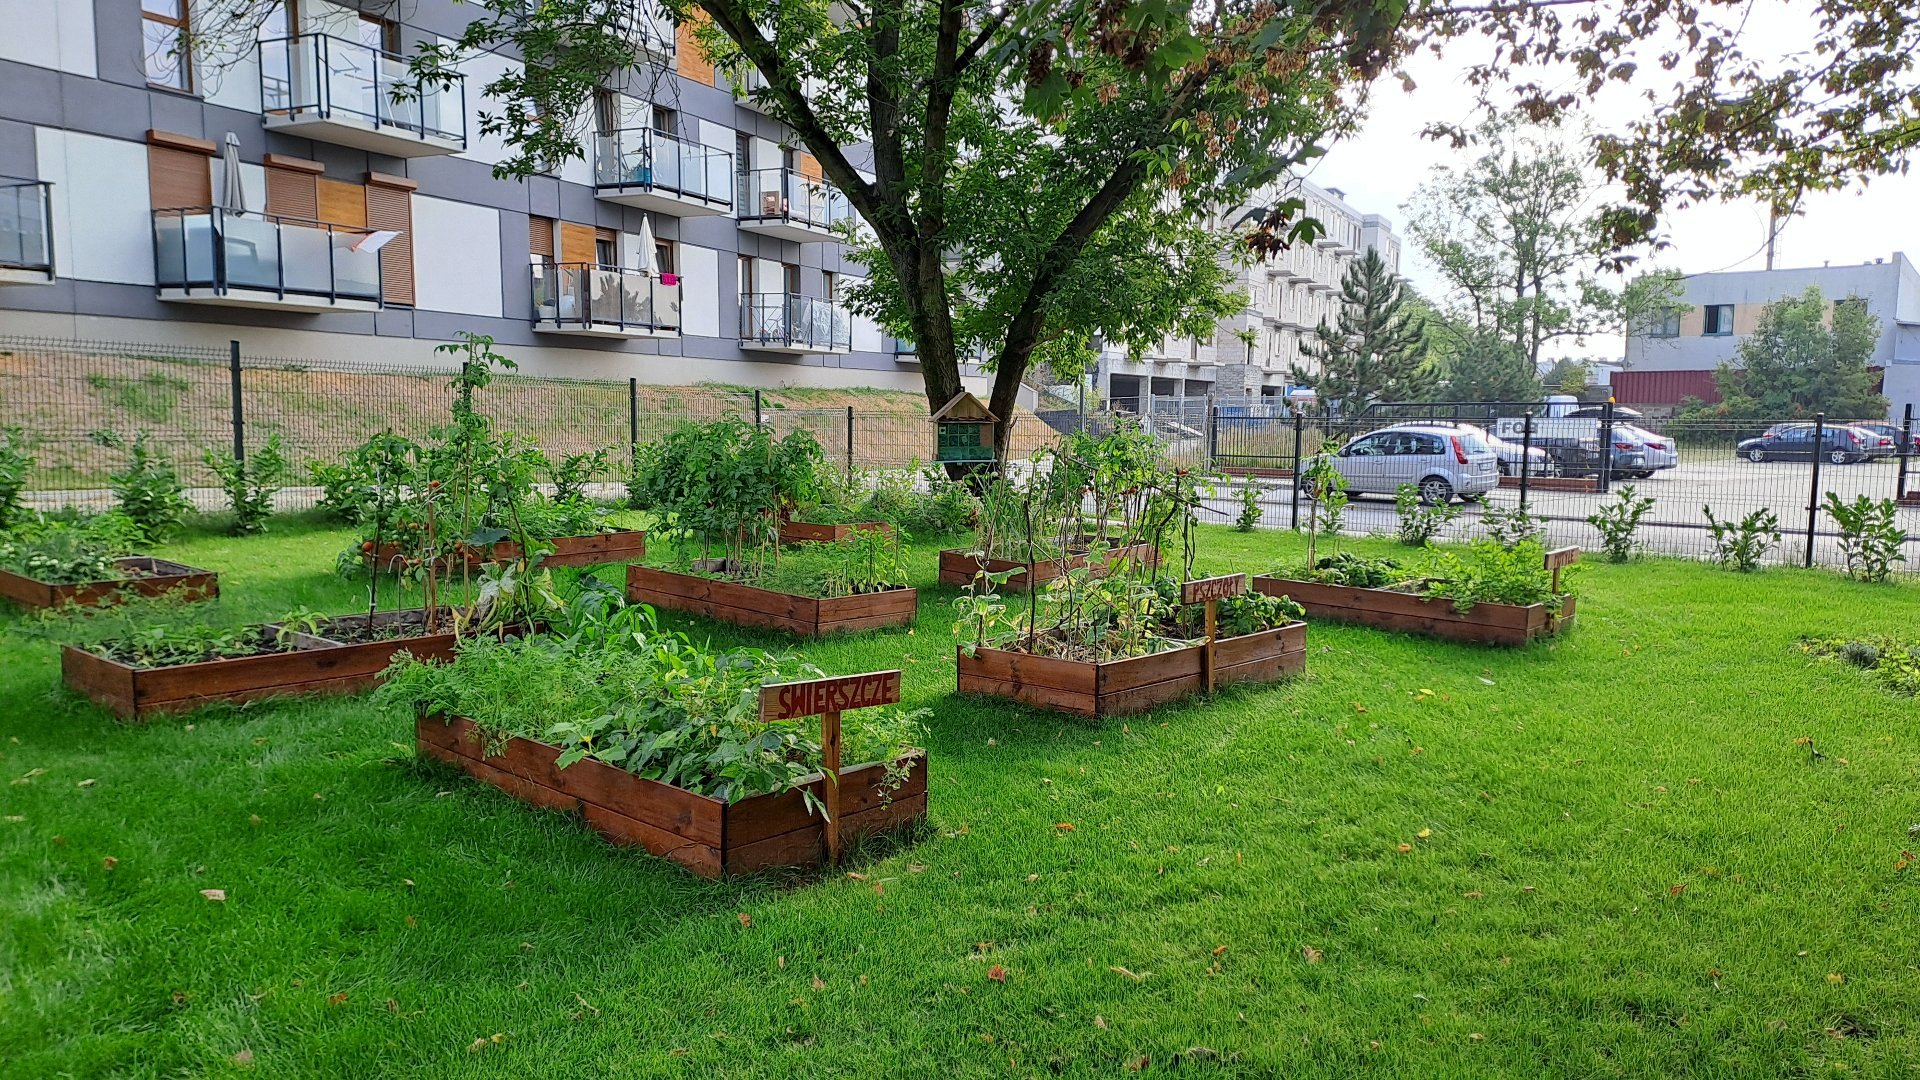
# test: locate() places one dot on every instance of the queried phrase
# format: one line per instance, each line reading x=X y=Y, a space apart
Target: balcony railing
x=217 y=250
x=323 y=76
x=26 y=225
x=652 y=160
x=586 y=296
x=782 y=195
x=801 y=323
x=646 y=23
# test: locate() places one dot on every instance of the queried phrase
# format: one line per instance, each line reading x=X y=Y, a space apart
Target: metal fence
x=1560 y=469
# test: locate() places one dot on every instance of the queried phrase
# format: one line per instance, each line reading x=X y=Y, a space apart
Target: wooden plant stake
x=1210 y=591
x=1557 y=560
x=827 y=699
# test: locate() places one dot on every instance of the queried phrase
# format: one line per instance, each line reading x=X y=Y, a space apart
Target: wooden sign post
x=1210 y=591
x=1557 y=560
x=827 y=699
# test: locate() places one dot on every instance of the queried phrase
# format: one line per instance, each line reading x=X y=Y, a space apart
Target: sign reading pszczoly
x=1213 y=588
x=786 y=701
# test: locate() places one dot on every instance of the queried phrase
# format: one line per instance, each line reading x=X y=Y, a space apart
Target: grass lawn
x=1605 y=856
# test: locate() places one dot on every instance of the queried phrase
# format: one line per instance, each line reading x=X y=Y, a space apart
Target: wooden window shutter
x=342 y=203
x=390 y=206
x=179 y=171
x=807 y=165
x=293 y=188
x=577 y=243
x=540 y=236
x=689 y=59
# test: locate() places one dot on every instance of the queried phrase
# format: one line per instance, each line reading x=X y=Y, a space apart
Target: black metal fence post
x=1526 y=456
x=239 y=410
x=1213 y=433
x=633 y=421
x=849 y=446
x=1813 y=495
x=1906 y=452
x=1299 y=467
x=1606 y=446
x=756 y=408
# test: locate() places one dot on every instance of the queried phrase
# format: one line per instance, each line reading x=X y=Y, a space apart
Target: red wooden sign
x=1213 y=588
x=785 y=701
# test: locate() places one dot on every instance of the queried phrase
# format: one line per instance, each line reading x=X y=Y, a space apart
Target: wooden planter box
x=319 y=666
x=707 y=836
x=1121 y=687
x=800 y=532
x=157 y=577
x=1580 y=484
x=590 y=550
x=749 y=605
x=1389 y=609
x=1911 y=498
x=959 y=568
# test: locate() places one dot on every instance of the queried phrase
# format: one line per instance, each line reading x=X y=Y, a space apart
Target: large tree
x=1481 y=364
x=1805 y=358
x=1377 y=351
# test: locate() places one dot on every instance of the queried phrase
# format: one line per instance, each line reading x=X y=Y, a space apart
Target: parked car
x=1509 y=454
x=1840 y=444
x=1443 y=461
x=1620 y=412
x=1891 y=433
x=1573 y=444
x=1659 y=450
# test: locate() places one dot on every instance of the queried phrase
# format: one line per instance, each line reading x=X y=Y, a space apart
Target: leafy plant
x=147 y=488
x=1356 y=571
x=574 y=472
x=251 y=483
x=1324 y=484
x=1511 y=526
x=1870 y=536
x=1485 y=571
x=1742 y=544
x=922 y=501
x=727 y=484
x=16 y=461
x=1250 y=509
x=1894 y=662
x=1419 y=523
x=70 y=550
x=1618 y=522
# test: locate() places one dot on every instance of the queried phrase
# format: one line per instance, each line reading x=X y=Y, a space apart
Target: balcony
x=207 y=255
x=647 y=25
x=594 y=301
x=655 y=171
x=26 y=232
x=788 y=205
x=798 y=325
x=320 y=87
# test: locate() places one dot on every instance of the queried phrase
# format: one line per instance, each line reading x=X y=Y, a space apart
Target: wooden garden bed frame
x=703 y=834
x=319 y=665
x=587 y=549
x=750 y=605
x=1578 y=484
x=149 y=577
x=1122 y=687
x=1393 y=609
x=958 y=567
x=801 y=532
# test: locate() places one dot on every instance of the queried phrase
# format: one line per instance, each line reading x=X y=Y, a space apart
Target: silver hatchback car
x=1442 y=461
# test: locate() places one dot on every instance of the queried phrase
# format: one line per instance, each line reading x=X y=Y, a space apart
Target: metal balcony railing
x=215 y=249
x=587 y=295
x=324 y=76
x=789 y=321
x=26 y=224
x=653 y=160
x=781 y=194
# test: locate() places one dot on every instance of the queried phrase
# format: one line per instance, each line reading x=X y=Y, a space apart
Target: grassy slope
x=1555 y=799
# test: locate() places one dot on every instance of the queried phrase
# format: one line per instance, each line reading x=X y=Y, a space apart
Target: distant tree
x=1798 y=362
x=1568 y=376
x=1378 y=350
x=1484 y=365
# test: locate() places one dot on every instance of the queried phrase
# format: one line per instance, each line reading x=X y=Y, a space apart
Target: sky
x=1380 y=167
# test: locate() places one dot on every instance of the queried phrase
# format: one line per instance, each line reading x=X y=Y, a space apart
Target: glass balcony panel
x=321 y=74
x=25 y=236
x=252 y=249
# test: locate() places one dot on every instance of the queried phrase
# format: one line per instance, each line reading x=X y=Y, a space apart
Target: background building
x=285 y=198
x=1287 y=297
x=1668 y=363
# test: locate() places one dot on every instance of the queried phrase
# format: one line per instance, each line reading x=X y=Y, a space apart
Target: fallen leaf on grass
x=1473 y=895
x=337 y=999
x=1219 y=949
x=1424 y=833
x=243 y=1059
x=997 y=973
x=1311 y=954
x=856 y=876
x=818 y=984
x=1138 y=1064
x=1100 y=1022
x=916 y=868
x=746 y=919
x=1118 y=970
x=1404 y=848
x=1676 y=890
x=215 y=895
x=1477 y=1037
x=16 y=818
x=1836 y=978
x=87 y=783
x=254 y=820
x=1064 y=826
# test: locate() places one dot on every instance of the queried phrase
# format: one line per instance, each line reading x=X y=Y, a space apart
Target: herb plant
x=1870 y=536
x=147 y=487
x=1511 y=526
x=251 y=483
x=1250 y=510
x=16 y=461
x=1419 y=523
x=70 y=550
x=1742 y=544
x=1618 y=522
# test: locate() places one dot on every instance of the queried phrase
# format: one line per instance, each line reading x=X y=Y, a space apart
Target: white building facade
x=1668 y=362
x=284 y=197
x=1288 y=296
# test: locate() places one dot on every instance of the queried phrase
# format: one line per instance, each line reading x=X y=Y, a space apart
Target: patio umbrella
x=643 y=259
x=231 y=189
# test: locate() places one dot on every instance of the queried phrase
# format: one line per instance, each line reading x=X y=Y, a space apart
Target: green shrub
x=1870 y=536
x=251 y=483
x=1619 y=521
x=147 y=487
x=1742 y=544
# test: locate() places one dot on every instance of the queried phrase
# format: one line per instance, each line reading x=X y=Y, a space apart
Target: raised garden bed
x=707 y=836
x=750 y=605
x=801 y=532
x=145 y=576
x=592 y=549
x=1400 y=609
x=341 y=659
x=959 y=567
x=1580 y=484
x=1133 y=685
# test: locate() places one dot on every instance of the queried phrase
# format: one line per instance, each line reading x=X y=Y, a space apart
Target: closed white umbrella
x=231 y=189
x=643 y=259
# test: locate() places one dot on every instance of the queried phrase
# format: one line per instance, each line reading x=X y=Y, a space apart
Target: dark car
x=1891 y=433
x=1841 y=445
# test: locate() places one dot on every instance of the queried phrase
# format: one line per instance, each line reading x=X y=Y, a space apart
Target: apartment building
x=284 y=196
x=1287 y=298
x=1667 y=363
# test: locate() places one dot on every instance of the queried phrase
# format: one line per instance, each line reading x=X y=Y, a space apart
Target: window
x=664 y=261
x=746 y=276
x=790 y=276
x=377 y=33
x=829 y=285
x=1667 y=325
x=606 y=112
x=1718 y=320
x=163 y=24
x=606 y=249
x=666 y=121
x=280 y=21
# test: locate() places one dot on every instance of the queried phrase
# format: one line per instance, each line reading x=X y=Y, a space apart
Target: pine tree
x=1379 y=350
x=1487 y=366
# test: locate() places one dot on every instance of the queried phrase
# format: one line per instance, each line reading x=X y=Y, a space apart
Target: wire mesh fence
x=1560 y=468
